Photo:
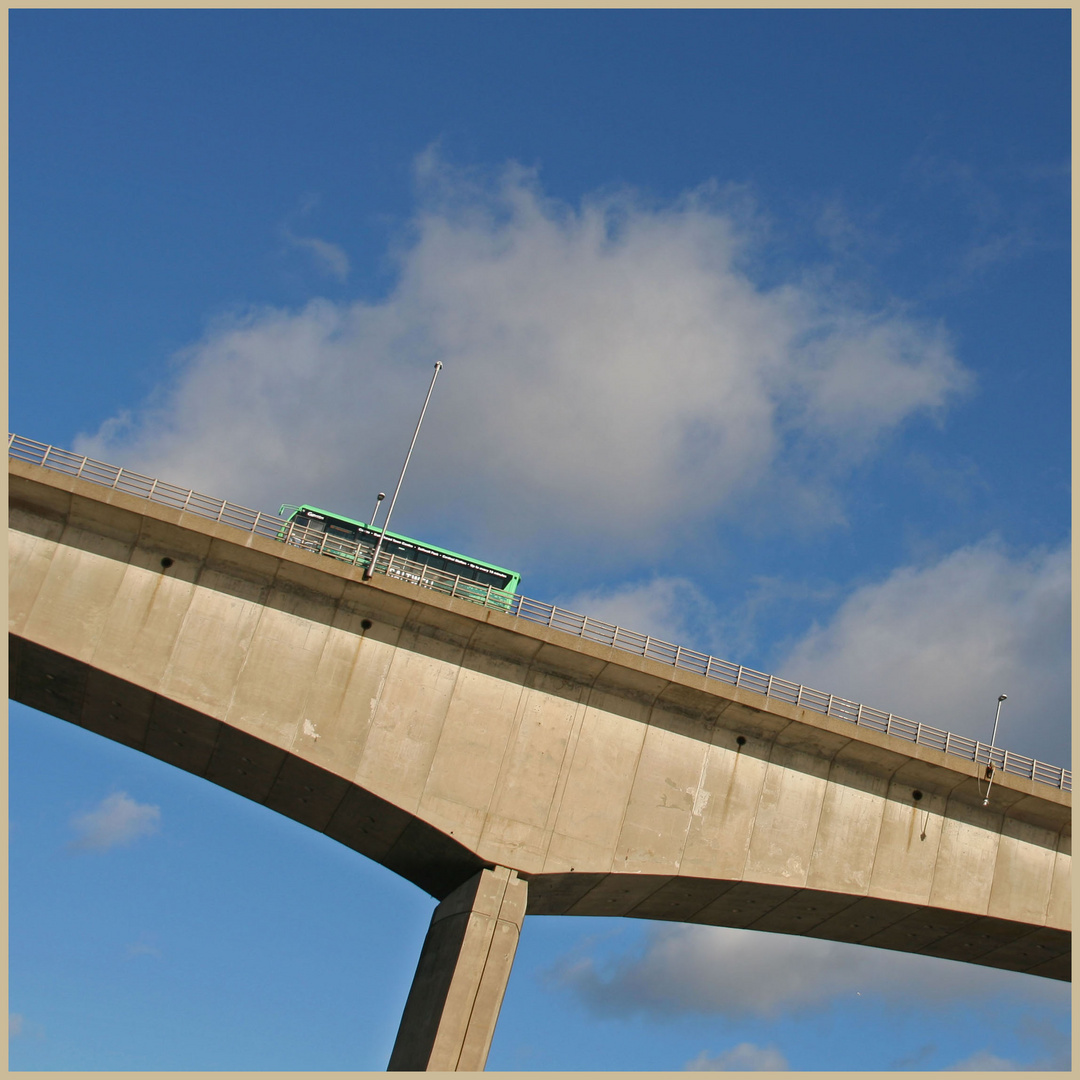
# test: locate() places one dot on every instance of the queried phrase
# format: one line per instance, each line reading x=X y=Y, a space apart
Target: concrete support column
x=450 y=1014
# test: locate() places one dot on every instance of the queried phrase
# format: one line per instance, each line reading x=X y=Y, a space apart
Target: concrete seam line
x=513 y=731
x=877 y=843
x=937 y=859
x=492 y=938
x=514 y=726
x=646 y=727
x=566 y=765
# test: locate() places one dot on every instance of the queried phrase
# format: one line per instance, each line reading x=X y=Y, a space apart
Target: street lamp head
x=1003 y=697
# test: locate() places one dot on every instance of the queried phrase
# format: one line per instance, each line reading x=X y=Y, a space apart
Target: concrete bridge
x=510 y=768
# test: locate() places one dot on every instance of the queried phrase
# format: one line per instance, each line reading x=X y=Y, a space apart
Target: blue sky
x=756 y=337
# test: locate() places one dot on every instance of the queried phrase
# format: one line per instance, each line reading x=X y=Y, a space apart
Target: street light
x=993 y=740
x=375 y=512
x=370 y=568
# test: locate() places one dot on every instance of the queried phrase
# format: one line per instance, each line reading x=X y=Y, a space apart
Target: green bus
x=342 y=534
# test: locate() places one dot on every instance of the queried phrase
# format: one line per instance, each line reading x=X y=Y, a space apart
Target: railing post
x=678 y=651
x=81 y=467
x=768 y=687
x=828 y=706
x=48 y=450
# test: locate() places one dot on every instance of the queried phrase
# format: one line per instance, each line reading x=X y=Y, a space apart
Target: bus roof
x=409 y=540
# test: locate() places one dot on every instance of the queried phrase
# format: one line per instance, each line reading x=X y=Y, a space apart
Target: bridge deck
x=440 y=737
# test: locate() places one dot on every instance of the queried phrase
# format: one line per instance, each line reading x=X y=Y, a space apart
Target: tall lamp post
x=993 y=741
x=370 y=568
x=375 y=512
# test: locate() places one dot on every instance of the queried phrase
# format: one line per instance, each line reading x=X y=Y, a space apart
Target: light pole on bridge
x=370 y=568
x=993 y=741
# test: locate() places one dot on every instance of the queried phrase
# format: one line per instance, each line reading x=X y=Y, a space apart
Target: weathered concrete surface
x=450 y=1015
x=440 y=738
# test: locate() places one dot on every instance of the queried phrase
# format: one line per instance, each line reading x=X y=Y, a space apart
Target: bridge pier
x=464 y=966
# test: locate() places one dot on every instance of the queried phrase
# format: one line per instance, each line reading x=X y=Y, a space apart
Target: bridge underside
x=54 y=683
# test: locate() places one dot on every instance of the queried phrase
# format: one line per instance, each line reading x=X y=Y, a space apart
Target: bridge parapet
x=359 y=553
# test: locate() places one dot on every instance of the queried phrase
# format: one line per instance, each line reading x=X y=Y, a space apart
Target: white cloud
x=117 y=821
x=938 y=643
x=142 y=947
x=1055 y=1056
x=670 y=608
x=610 y=369
x=743 y=973
x=329 y=257
x=21 y=1028
x=934 y=643
x=984 y=1061
x=744 y=1058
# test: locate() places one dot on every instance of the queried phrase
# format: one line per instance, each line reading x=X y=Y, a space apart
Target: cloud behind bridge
x=935 y=642
x=612 y=367
x=684 y=968
x=743 y=1057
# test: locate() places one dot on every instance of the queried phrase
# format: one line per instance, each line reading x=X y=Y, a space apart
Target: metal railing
x=358 y=553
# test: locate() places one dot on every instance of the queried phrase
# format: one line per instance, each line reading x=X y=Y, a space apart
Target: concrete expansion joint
x=482 y=893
